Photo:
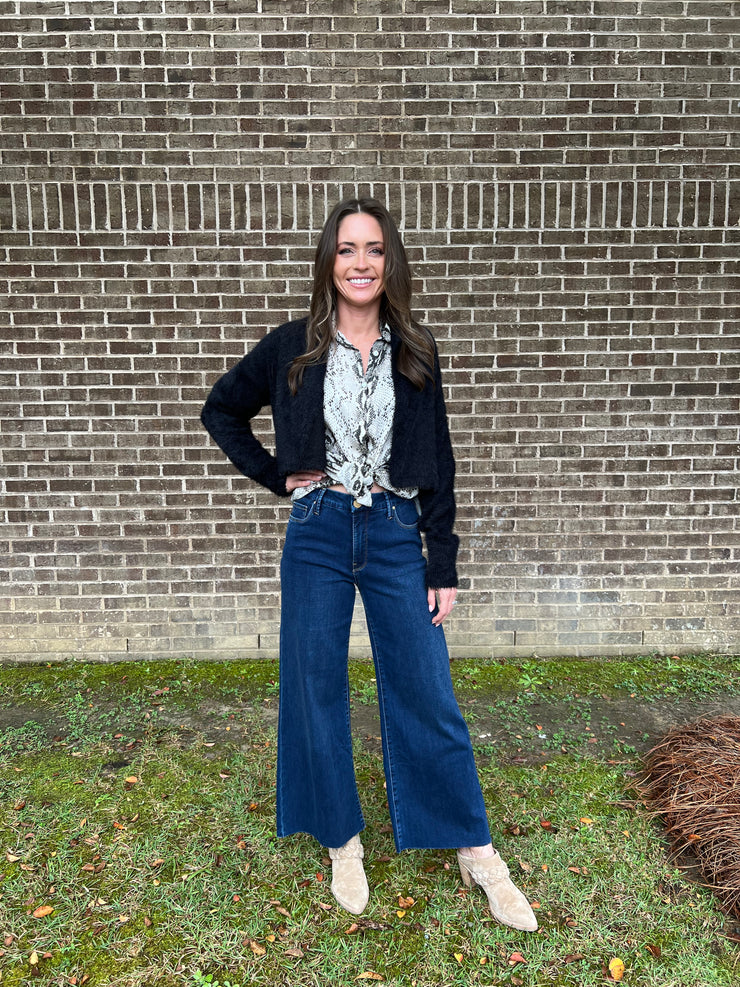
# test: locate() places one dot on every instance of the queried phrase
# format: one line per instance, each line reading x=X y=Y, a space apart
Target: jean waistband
x=337 y=500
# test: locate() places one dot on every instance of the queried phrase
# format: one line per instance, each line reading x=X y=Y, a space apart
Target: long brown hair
x=416 y=353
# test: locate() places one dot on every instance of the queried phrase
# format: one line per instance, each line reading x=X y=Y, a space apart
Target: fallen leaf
x=283 y=911
x=131 y=780
x=270 y=938
x=653 y=950
x=401 y=912
x=616 y=968
x=369 y=975
x=324 y=906
x=516 y=958
x=256 y=948
x=405 y=902
x=353 y=928
x=33 y=959
x=586 y=820
x=42 y=911
x=319 y=876
x=11 y=857
x=296 y=952
x=147 y=922
x=573 y=957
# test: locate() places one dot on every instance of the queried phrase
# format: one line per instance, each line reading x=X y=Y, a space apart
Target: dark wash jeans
x=333 y=545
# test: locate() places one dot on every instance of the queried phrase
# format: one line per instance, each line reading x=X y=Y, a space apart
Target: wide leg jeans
x=333 y=546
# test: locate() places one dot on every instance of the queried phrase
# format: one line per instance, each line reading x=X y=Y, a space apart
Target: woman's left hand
x=444 y=599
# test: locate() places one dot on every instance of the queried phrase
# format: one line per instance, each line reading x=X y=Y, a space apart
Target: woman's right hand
x=303 y=479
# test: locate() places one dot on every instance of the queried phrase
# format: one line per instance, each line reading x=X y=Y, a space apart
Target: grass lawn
x=137 y=841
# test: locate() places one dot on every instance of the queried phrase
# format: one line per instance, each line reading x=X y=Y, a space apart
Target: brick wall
x=566 y=178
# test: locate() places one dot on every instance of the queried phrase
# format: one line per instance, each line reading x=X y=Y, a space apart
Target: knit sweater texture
x=421 y=452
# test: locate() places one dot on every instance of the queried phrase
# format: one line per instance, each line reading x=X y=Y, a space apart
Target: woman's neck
x=358 y=324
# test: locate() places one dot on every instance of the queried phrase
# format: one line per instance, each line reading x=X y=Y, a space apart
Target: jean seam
x=393 y=809
x=358 y=804
x=278 y=772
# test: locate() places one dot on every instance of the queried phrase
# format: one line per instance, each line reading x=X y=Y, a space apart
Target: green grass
x=177 y=877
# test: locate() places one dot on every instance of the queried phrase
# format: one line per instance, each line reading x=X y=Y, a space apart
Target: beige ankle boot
x=348 y=881
x=507 y=903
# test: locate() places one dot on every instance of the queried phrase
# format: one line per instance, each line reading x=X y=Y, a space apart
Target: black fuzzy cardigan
x=421 y=453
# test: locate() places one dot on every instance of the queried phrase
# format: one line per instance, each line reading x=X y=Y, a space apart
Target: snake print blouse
x=358 y=416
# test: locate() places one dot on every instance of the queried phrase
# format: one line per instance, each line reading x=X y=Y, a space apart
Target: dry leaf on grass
x=616 y=968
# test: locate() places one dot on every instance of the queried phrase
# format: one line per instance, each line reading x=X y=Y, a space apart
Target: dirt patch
x=525 y=729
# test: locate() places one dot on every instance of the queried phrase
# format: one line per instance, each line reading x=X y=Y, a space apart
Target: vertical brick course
x=566 y=177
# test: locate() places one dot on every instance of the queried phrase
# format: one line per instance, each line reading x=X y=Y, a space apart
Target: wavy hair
x=416 y=353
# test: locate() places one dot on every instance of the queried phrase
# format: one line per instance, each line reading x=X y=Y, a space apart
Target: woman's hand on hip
x=303 y=479
x=444 y=600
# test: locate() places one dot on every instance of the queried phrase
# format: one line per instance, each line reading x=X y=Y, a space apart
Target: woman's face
x=359 y=263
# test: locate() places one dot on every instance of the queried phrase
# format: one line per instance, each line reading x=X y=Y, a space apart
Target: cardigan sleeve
x=438 y=505
x=234 y=400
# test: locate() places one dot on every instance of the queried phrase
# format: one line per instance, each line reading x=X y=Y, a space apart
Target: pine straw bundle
x=693 y=782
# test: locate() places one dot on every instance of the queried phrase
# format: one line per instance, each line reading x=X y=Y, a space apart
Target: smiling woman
x=363 y=447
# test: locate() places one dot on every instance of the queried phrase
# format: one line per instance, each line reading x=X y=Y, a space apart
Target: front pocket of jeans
x=406 y=515
x=300 y=512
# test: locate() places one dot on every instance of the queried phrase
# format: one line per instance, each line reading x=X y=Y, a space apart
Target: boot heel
x=464 y=873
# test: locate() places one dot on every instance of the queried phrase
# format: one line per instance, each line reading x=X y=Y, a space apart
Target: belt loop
x=317 y=502
x=389 y=507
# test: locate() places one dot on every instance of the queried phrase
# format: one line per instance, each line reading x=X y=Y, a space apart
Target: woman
x=362 y=447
